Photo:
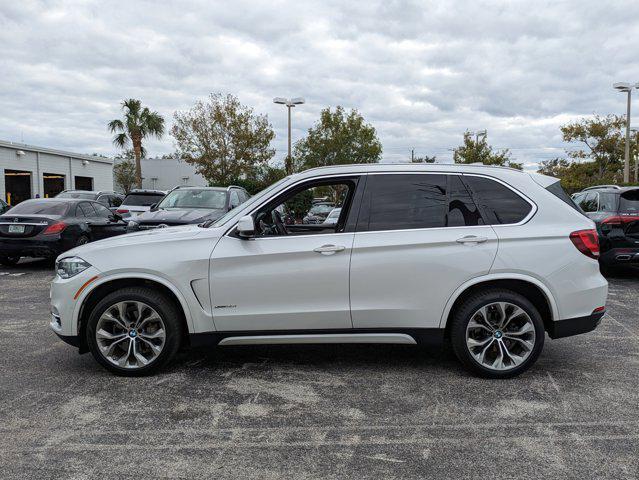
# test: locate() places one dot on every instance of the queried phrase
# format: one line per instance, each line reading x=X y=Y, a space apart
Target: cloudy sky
x=420 y=72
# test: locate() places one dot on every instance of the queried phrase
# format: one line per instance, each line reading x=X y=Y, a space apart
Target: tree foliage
x=424 y=159
x=599 y=156
x=479 y=151
x=260 y=178
x=338 y=138
x=137 y=124
x=222 y=138
x=124 y=175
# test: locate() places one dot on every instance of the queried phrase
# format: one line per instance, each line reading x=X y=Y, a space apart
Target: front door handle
x=329 y=249
x=471 y=239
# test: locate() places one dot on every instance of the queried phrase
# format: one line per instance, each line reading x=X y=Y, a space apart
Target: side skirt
x=412 y=336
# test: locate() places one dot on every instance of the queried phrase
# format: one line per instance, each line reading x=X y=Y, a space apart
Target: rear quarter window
x=499 y=204
x=557 y=190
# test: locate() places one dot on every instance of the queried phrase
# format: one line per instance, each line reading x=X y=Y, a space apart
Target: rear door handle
x=471 y=239
x=329 y=249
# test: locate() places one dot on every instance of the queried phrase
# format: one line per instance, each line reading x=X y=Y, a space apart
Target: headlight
x=70 y=267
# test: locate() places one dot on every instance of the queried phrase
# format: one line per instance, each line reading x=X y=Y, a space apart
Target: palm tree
x=138 y=123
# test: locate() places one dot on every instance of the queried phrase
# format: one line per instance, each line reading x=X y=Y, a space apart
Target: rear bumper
x=620 y=256
x=33 y=247
x=575 y=326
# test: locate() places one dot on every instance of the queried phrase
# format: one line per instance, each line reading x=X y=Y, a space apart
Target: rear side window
x=498 y=203
x=557 y=190
x=629 y=201
x=397 y=202
x=462 y=210
x=85 y=209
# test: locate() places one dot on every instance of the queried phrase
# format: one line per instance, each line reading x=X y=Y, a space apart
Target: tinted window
x=589 y=202
x=406 y=201
x=40 y=208
x=85 y=209
x=85 y=195
x=462 y=211
x=629 y=201
x=141 y=200
x=101 y=210
x=498 y=203
x=116 y=201
x=557 y=190
x=607 y=202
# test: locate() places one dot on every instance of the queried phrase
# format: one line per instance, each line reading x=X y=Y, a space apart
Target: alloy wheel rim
x=130 y=334
x=500 y=336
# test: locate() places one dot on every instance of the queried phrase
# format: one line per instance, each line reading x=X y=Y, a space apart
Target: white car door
x=297 y=281
x=418 y=239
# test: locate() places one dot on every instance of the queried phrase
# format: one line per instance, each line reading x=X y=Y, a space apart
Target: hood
x=185 y=216
x=131 y=239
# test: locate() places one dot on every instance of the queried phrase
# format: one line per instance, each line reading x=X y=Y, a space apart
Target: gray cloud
x=421 y=72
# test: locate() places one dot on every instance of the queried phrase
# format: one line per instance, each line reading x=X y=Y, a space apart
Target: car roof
x=191 y=187
x=145 y=191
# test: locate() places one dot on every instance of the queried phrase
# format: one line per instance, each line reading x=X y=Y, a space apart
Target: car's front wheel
x=134 y=331
x=497 y=333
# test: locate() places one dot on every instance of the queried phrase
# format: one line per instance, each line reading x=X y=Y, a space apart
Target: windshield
x=84 y=195
x=251 y=201
x=195 y=198
x=40 y=208
x=321 y=209
x=629 y=201
x=335 y=213
x=142 y=199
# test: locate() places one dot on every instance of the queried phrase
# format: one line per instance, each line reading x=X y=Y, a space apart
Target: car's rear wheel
x=497 y=333
x=8 y=261
x=134 y=331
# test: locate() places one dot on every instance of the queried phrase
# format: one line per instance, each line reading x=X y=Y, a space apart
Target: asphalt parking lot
x=315 y=411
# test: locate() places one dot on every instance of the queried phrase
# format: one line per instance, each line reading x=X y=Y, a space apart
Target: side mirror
x=116 y=217
x=246 y=226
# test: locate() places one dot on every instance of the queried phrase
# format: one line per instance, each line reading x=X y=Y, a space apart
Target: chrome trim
x=394 y=338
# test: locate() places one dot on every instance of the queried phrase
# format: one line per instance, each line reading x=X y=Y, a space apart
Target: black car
x=189 y=205
x=47 y=227
x=615 y=211
x=109 y=199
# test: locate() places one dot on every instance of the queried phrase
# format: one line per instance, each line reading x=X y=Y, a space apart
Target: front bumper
x=66 y=301
x=575 y=326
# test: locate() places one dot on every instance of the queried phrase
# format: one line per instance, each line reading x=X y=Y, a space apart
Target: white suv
x=486 y=258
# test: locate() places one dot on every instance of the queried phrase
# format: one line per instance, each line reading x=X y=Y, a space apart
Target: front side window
x=298 y=212
x=234 y=199
x=498 y=203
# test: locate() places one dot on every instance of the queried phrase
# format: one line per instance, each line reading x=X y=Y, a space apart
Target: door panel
x=281 y=283
x=404 y=278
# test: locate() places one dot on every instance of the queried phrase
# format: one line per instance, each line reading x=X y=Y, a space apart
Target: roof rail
x=616 y=187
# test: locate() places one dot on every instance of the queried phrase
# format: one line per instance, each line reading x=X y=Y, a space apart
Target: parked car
x=190 y=205
x=49 y=226
x=318 y=212
x=109 y=199
x=333 y=217
x=615 y=211
x=139 y=201
x=489 y=259
x=4 y=206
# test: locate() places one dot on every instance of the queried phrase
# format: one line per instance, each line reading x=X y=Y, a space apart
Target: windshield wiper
x=206 y=224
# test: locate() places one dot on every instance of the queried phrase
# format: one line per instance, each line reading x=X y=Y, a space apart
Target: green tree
x=601 y=141
x=222 y=138
x=424 y=159
x=338 y=138
x=260 y=178
x=138 y=124
x=477 y=150
x=124 y=175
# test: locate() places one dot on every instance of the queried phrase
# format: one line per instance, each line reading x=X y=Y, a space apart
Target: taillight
x=619 y=220
x=587 y=242
x=121 y=210
x=54 y=228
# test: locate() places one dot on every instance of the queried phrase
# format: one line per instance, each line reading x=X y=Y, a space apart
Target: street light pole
x=289 y=105
x=626 y=87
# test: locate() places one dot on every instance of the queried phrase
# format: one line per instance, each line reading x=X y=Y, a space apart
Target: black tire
x=467 y=309
x=165 y=308
x=9 y=261
x=82 y=240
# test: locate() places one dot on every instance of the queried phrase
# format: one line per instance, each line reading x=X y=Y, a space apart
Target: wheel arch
x=530 y=287
x=106 y=285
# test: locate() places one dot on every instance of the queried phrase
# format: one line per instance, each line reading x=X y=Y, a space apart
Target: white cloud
x=421 y=72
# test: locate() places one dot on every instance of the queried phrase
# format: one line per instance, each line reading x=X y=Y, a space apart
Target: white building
x=29 y=172
x=166 y=173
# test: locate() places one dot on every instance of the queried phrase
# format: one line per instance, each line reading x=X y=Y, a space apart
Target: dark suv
x=615 y=210
x=109 y=199
x=188 y=205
